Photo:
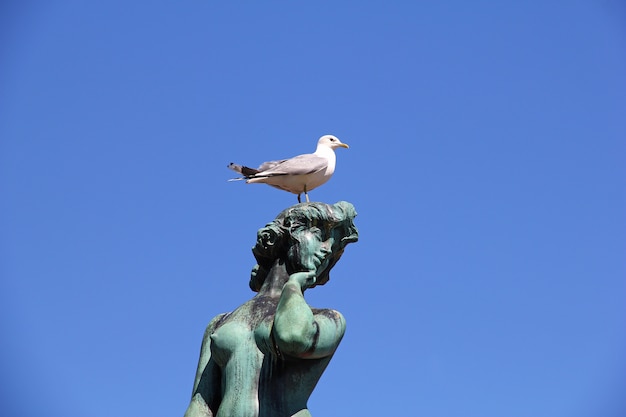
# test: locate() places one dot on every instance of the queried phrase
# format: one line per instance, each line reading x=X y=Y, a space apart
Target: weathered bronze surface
x=265 y=358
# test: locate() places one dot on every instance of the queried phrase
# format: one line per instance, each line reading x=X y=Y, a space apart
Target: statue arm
x=205 y=396
x=300 y=332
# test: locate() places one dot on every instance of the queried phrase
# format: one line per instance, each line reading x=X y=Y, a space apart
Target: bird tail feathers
x=243 y=170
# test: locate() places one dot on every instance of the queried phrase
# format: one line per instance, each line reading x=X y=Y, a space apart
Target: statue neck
x=276 y=279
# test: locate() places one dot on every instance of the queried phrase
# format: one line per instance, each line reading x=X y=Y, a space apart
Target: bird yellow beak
x=344 y=145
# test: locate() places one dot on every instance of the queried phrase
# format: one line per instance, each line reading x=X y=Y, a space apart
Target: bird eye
x=332 y=139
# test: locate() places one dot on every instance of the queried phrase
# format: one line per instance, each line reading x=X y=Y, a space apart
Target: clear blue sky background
x=487 y=165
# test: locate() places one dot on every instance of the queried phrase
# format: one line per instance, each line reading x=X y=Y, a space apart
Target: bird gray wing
x=299 y=165
x=270 y=164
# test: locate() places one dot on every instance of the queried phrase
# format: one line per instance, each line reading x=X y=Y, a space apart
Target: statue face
x=302 y=249
x=310 y=250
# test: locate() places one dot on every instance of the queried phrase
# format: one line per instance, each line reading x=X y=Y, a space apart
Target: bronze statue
x=265 y=358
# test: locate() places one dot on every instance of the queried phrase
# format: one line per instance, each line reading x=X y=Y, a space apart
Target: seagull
x=299 y=174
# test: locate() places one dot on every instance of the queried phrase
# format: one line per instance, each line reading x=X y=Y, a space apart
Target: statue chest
x=236 y=339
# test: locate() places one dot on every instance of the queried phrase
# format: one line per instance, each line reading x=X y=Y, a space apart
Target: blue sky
x=486 y=162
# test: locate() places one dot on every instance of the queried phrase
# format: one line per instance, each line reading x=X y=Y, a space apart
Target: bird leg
x=299 y=199
x=306 y=194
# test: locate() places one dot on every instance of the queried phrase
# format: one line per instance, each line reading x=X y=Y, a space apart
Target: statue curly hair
x=305 y=237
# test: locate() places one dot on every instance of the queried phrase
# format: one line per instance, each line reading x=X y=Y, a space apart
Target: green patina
x=265 y=358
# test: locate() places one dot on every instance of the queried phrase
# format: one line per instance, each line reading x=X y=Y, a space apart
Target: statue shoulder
x=214 y=323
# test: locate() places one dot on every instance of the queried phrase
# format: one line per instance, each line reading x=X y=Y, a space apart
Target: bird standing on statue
x=299 y=174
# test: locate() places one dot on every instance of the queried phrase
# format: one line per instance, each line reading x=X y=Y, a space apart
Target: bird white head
x=331 y=142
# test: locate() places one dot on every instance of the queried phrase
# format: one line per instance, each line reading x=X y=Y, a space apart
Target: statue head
x=305 y=237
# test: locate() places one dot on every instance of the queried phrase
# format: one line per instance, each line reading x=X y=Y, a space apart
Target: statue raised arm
x=265 y=358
